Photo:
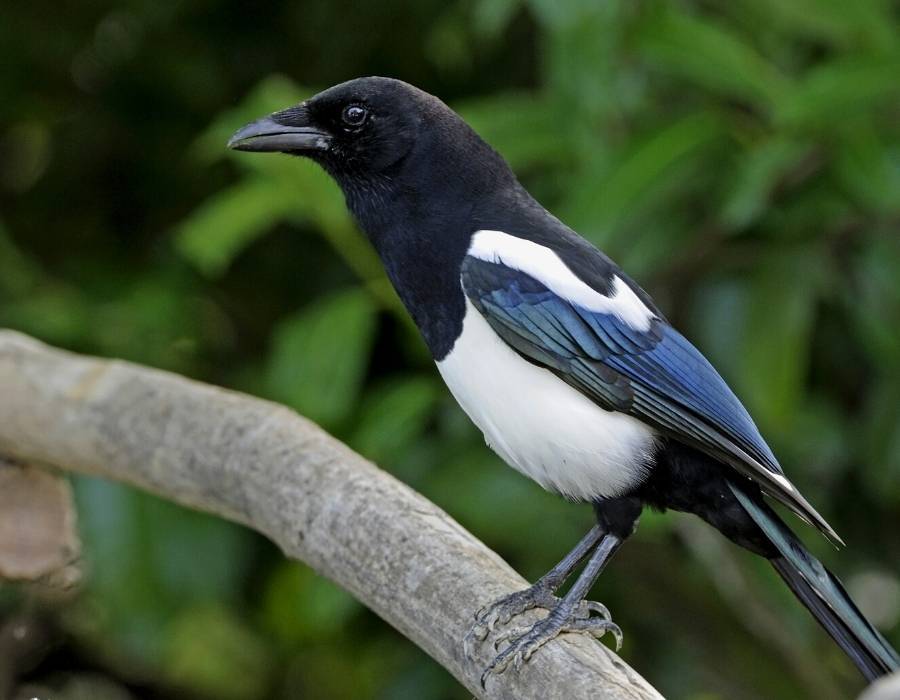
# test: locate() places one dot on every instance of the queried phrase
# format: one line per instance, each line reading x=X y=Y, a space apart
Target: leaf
x=718 y=314
x=54 y=313
x=18 y=272
x=756 y=174
x=524 y=128
x=300 y=606
x=845 y=24
x=775 y=347
x=651 y=242
x=213 y=235
x=868 y=169
x=820 y=444
x=712 y=57
x=586 y=68
x=394 y=415
x=148 y=559
x=604 y=199
x=319 y=356
x=491 y=17
x=874 y=303
x=211 y=651
x=757 y=332
x=838 y=90
x=271 y=95
x=448 y=42
x=318 y=200
x=490 y=498
x=275 y=189
x=555 y=15
x=879 y=443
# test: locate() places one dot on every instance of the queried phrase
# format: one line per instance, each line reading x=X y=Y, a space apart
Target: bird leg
x=565 y=616
x=540 y=595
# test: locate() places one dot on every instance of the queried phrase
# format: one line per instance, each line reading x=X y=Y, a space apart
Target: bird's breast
x=540 y=425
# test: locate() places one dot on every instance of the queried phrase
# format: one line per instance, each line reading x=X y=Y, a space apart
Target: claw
x=507 y=635
x=598 y=627
x=594 y=607
x=518 y=660
x=467 y=645
x=498 y=665
x=524 y=642
x=477 y=631
x=616 y=632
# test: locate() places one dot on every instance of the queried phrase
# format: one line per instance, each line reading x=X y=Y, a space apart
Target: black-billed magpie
x=564 y=363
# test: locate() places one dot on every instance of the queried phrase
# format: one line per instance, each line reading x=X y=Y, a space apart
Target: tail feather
x=822 y=594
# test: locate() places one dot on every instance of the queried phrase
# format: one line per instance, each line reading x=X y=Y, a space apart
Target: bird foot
x=525 y=641
x=503 y=610
x=537 y=596
x=586 y=616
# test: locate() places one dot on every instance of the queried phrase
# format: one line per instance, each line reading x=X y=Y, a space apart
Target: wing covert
x=652 y=373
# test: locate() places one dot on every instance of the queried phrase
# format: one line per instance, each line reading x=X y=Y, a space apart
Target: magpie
x=565 y=364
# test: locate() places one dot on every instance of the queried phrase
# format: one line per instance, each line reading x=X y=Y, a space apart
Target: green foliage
x=215 y=654
x=709 y=56
x=741 y=159
x=319 y=356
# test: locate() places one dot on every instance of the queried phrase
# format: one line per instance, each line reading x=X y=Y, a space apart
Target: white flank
x=539 y=424
x=546 y=267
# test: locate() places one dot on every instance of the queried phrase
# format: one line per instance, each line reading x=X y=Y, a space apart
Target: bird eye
x=354 y=115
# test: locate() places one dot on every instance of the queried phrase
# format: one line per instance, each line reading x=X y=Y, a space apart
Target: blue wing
x=655 y=374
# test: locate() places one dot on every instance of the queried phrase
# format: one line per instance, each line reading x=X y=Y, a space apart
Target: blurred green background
x=740 y=159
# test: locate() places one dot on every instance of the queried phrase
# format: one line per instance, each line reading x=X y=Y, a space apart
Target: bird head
x=362 y=127
x=377 y=134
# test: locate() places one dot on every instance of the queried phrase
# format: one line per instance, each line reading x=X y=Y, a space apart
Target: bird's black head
x=364 y=125
x=378 y=137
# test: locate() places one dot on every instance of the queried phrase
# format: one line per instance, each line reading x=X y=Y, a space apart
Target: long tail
x=823 y=595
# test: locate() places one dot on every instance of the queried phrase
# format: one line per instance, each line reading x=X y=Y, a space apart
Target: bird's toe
x=504 y=610
x=587 y=617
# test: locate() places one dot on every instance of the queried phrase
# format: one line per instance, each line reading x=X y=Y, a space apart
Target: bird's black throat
x=422 y=252
x=420 y=215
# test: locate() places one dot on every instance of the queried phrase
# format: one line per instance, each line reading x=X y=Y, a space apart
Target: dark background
x=740 y=159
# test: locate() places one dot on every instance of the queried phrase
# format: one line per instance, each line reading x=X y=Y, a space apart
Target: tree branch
x=262 y=465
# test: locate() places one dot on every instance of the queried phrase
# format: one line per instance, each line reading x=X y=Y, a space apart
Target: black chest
x=424 y=267
x=421 y=222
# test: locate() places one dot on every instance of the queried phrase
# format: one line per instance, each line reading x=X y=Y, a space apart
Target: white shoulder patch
x=546 y=267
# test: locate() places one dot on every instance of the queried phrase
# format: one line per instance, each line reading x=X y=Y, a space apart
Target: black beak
x=267 y=134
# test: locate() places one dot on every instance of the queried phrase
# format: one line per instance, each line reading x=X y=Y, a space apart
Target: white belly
x=539 y=424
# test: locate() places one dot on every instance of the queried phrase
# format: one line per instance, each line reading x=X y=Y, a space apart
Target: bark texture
x=262 y=465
